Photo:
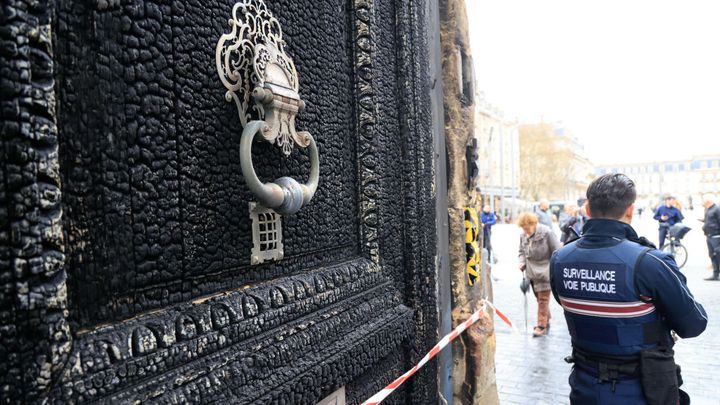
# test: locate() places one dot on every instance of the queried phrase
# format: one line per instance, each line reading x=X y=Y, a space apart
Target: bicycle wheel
x=678 y=251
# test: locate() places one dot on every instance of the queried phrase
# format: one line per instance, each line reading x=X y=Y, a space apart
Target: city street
x=532 y=371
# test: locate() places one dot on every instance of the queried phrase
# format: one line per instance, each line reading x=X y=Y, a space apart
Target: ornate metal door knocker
x=252 y=64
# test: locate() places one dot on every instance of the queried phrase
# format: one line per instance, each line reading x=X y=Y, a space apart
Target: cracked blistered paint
x=124 y=239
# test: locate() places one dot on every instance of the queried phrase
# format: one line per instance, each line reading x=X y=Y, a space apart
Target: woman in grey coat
x=537 y=244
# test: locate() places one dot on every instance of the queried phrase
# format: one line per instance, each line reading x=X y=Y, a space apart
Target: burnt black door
x=151 y=295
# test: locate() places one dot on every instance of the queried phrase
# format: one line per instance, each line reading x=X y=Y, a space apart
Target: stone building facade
x=127 y=271
x=581 y=169
x=686 y=179
x=499 y=158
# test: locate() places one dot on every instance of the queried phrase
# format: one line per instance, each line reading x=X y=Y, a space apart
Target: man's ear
x=587 y=210
x=630 y=211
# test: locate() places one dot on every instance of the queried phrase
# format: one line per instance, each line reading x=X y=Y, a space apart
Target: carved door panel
x=164 y=304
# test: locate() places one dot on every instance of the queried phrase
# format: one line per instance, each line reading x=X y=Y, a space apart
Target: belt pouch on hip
x=659 y=376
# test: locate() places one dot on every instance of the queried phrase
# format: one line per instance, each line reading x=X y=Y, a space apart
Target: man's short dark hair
x=610 y=195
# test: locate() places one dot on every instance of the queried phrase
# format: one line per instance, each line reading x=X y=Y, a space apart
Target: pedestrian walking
x=544 y=214
x=488 y=219
x=711 y=228
x=622 y=298
x=667 y=215
x=537 y=243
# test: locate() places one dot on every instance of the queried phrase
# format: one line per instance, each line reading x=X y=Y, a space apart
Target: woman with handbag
x=537 y=244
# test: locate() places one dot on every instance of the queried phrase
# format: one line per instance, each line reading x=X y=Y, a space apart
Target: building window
x=466 y=77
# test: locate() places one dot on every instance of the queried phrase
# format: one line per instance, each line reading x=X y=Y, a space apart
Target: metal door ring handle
x=285 y=195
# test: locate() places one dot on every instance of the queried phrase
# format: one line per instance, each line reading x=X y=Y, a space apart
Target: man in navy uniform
x=622 y=298
x=667 y=215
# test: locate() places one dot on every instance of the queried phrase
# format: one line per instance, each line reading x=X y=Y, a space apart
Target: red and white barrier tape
x=502 y=316
x=380 y=396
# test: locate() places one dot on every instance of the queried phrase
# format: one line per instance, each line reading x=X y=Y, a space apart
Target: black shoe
x=713 y=278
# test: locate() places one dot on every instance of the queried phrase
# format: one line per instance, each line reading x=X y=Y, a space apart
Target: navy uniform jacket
x=674 y=215
x=647 y=282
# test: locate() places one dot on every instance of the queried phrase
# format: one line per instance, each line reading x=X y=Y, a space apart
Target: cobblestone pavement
x=532 y=370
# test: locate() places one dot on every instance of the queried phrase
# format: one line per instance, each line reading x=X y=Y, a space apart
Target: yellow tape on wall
x=472 y=247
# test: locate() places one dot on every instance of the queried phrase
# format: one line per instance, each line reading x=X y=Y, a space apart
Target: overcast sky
x=634 y=80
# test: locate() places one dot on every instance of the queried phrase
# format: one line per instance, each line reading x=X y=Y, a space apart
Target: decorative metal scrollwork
x=253 y=65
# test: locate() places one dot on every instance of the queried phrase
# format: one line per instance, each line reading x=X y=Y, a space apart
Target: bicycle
x=674 y=247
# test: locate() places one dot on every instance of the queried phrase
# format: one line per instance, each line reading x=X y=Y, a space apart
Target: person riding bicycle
x=667 y=215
